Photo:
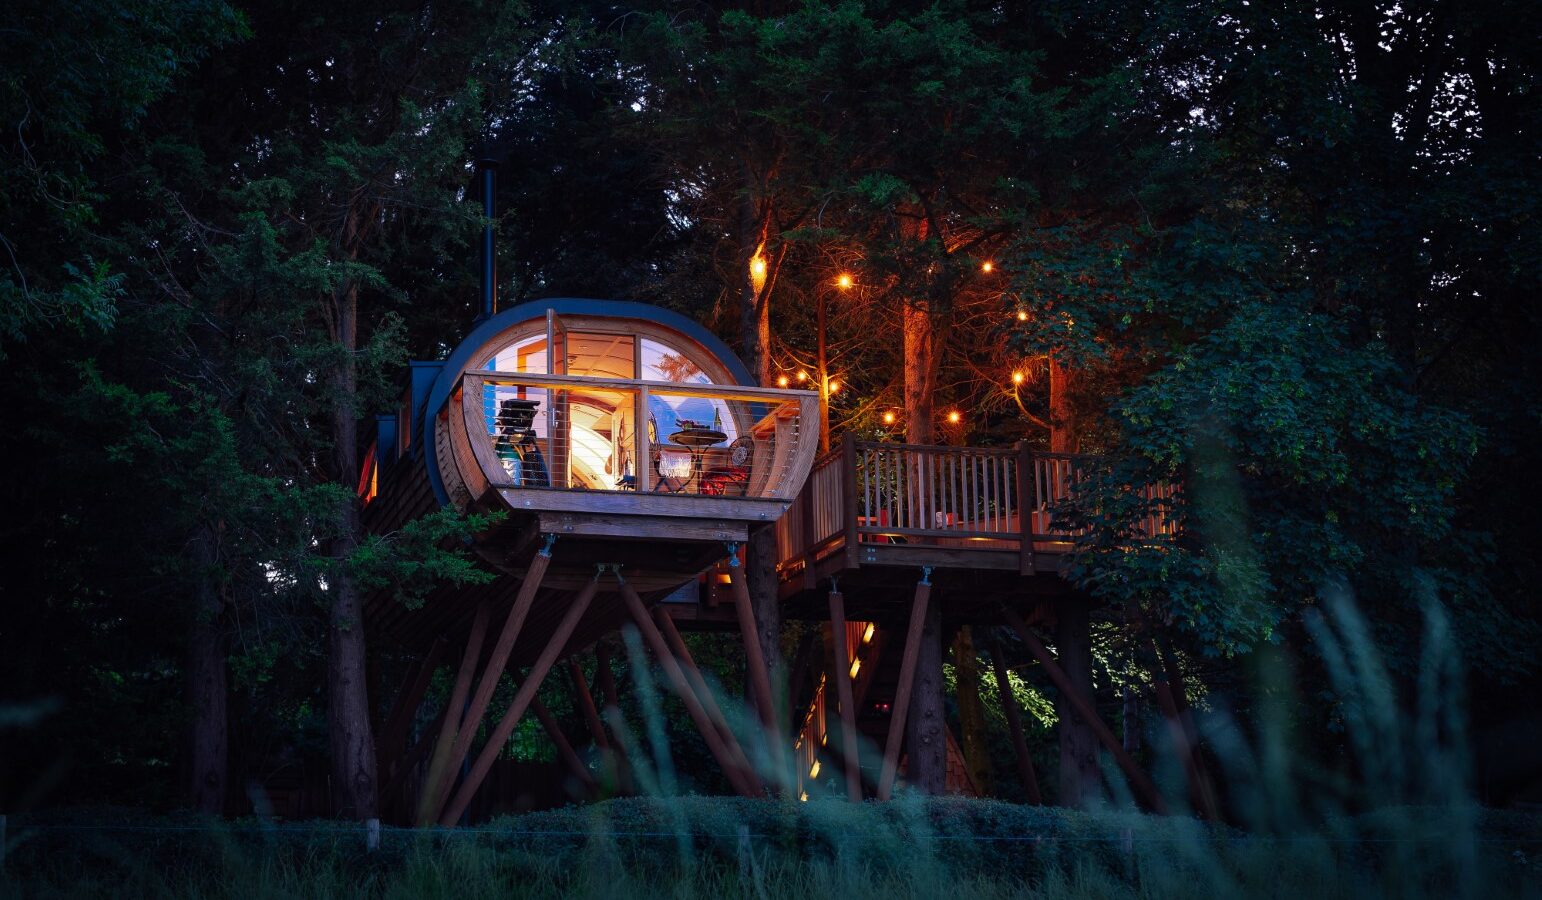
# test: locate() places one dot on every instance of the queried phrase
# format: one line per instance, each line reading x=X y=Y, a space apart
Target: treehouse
x=623 y=450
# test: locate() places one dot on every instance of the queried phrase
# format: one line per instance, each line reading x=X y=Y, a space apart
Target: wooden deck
x=978 y=517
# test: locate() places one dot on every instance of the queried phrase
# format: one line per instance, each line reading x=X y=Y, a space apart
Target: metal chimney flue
x=487 y=171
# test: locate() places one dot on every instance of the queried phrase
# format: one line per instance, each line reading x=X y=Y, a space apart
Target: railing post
x=1025 y=506
x=849 y=496
x=807 y=514
x=643 y=478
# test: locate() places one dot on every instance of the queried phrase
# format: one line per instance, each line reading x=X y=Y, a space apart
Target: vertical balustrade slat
x=848 y=466
x=1025 y=471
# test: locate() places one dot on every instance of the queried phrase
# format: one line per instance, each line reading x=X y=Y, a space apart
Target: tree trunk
x=1079 y=773
x=971 y=713
x=920 y=372
x=1062 y=418
x=925 y=727
x=207 y=680
x=348 y=710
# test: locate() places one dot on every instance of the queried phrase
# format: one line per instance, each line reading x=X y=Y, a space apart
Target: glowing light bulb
x=802 y=376
x=867 y=633
x=813 y=771
x=1022 y=315
x=757 y=272
x=888 y=418
x=835 y=386
x=954 y=417
x=781 y=381
x=844 y=281
x=1017 y=378
x=856 y=666
x=986 y=267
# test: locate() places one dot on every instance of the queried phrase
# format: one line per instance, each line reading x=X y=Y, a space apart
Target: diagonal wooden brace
x=907 y=678
x=526 y=693
x=842 y=678
x=438 y=766
x=682 y=687
x=1139 y=780
x=1025 y=770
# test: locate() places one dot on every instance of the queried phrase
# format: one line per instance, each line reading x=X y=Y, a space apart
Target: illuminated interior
x=593 y=443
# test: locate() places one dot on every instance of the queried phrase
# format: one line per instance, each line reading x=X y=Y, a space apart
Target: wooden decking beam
x=1025 y=771
x=682 y=687
x=522 y=698
x=842 y=678
x=1139 y=780
x=907 y=678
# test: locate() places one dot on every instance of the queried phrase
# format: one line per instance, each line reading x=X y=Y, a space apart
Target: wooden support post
x=1139 y=781
x=438 y=767
x=585 y=703
x=412 y=757
x=1026 y=502
x=605 y=681
x=393 y=737
x=564 y=747
x=682 y=687
x=1199 y=787
x=497 y=661
x=842 y=678
x=709 y=704
x=1014 y=715
x=760 y=676
x=526 y=693
x=849 y=498
x=1169 y=663
x=907 y=675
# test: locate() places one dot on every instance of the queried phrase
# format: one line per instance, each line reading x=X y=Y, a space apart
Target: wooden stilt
x=1199 y=788
x=907 y=676
x=526 y=693
x=466 y=732
x=760 y=676
x=564 y=747
x=605 y=681
x=1014 y=715
x=449 y=720
x=704 y=694
x=682 y=687
x=1169 y=663
x=842 y=678
x=585 y=703
x=392 y=784
x=1139 y=781
x=393 y=736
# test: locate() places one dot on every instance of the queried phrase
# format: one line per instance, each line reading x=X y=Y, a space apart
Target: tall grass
x=1392 y=819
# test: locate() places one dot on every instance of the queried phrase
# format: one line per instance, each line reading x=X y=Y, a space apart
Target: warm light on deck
x=954 y=418
x=986 y=267
x=888 y=418
x=856 y=666
x=844 y=281
x=813 y=771
x=867 y=633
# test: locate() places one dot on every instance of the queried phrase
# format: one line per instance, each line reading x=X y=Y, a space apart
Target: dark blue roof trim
x=536 y=309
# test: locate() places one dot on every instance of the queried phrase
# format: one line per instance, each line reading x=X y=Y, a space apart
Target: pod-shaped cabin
x=628 y=431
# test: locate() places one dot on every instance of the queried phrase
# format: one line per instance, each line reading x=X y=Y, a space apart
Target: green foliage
x=412 y=561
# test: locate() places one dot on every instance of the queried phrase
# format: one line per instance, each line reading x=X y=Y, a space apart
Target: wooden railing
x=969 y=497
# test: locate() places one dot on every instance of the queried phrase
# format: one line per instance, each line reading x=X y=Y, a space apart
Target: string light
x=867 y=633
x=758 y=270
x=1017 y=378
x=1022 y=315
x=781 y=381
x=954 y=417
x=844 y=281
x=888 y=417
x=802 y=377
x=986 y=267
x=835 y=386
x=856 y=666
